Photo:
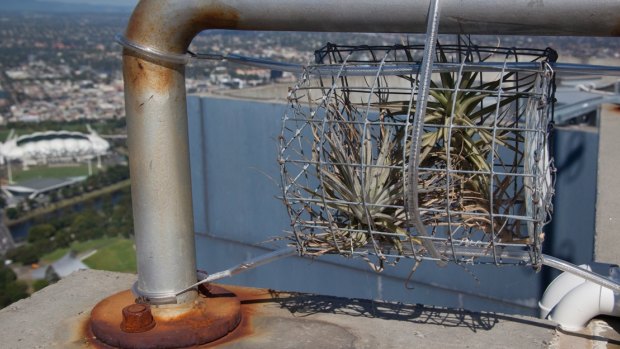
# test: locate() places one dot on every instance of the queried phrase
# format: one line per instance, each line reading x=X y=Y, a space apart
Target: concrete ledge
x=56 y=316
x=607 y=235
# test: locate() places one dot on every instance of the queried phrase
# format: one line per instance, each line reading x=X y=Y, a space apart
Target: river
x=19 y=231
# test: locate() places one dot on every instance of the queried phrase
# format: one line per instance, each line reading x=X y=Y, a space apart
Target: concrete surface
x=56 y=316
x=607 y=234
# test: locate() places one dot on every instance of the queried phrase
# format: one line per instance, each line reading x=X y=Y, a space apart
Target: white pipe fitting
x=571 y=302
x=557 y=289
x=583 y=303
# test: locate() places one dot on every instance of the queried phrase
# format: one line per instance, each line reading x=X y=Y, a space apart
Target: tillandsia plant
x=461 y=134
x=360 y=140
x=361 y=180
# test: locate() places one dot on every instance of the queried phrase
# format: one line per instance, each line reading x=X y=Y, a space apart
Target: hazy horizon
x=125 y=3
x=65 y=5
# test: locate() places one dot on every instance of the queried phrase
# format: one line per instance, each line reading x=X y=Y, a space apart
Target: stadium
x=53 y=146
x=50 y=161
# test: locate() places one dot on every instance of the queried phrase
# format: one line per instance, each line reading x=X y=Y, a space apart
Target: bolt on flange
x=118 y=321
x=137 y=318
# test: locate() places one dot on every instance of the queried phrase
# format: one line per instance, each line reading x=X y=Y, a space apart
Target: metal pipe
x=155 y=90
x=171 y=25
x=426 y=70
x=160 y=177
x=245 y=266
x=565 y=266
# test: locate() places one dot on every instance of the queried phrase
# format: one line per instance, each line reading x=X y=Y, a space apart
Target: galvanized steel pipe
x=155 y=90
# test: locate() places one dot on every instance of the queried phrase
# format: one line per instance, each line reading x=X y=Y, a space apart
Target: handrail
x=155 y=90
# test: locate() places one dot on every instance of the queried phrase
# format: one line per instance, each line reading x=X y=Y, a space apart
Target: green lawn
x=117 y=256
x=44 y=171
x=54 y=256
x=3 y=134
x=80 y=247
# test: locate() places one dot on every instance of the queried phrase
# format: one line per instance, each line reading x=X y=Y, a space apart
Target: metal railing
x=155 y=97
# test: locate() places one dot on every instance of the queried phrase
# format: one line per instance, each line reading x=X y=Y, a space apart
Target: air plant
x=360 y=164
x=461 y=134
x=361 y=186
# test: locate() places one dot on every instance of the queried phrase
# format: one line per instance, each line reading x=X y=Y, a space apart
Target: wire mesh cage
x=482 y=179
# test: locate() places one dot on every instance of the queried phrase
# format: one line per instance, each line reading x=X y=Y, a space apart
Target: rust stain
x=151 y=23
x=89 y=338
x=143 y=75
x=135 y=21
x=137 y=318
x=209 y=318
x=144 y=20
x=612 y=108
x=250 y=300
x=616 y=29
x=169 y=29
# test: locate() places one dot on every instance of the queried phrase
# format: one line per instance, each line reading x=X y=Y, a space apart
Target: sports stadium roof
x=51 y=145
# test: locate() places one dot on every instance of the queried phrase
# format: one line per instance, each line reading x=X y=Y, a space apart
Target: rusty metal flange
x=213 y=314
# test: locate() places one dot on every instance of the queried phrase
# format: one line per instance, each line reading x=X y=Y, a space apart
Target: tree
x=53 y=196
x=75 y=190
x=83 y=225
x=40 y=284
x=63 y=238
x=26 y=254
x=107 y=205
x=32 y=204
x=13 y=292
x=63 y=221
x=41 y=232
x=11 y=289
x=7 y=275
x=12 y=213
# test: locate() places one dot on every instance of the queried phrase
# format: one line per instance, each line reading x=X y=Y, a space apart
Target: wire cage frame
x=483 y=175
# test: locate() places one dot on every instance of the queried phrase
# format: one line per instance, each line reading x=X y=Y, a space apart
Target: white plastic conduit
x=582 y=304
x=572 y=302
x=559 y=288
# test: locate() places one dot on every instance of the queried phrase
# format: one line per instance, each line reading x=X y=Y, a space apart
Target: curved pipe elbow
x=557 y=289
x=170 y=26
x=582 y=303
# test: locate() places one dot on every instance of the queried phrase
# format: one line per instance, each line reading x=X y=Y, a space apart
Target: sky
x=98 y=2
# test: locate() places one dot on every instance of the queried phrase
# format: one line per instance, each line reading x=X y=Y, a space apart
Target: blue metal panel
x=235 y=179
x=570 y=236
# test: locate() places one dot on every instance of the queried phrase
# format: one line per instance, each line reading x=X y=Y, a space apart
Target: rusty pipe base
x=118 y=321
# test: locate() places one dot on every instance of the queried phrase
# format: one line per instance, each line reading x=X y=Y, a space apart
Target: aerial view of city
x=268 y=163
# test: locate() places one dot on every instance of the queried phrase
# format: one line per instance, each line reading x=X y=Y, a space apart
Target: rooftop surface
x=56 y=316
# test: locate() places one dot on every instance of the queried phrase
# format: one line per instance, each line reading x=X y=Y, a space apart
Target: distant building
x=579 y=99
x=60 y=269
x=33 y=188
x=275 y=75
x=53 y=146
